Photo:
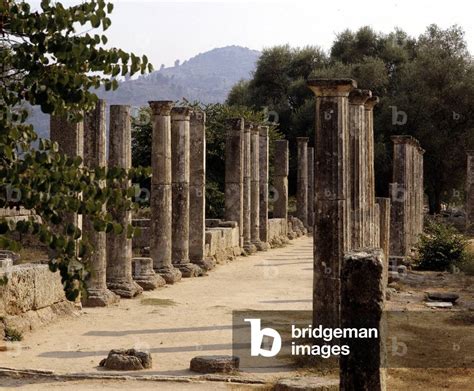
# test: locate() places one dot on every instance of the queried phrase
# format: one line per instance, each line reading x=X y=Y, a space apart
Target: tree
x=46 y=61
x=429 y=78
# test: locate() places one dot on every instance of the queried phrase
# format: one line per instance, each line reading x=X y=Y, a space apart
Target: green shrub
x=13 y=335
x=441 y=248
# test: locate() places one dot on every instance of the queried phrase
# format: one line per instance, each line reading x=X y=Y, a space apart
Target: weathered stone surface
x=119 y=246
x=144 y=275
x=30 y=287
x=439 y=304
x=263 y=180
x=307 y=383
x=234 y=174
x=249 y=247
x=180 y=168
x=277 y=232
x=362 y=305
x=407 y=195
x=34 y=319
x=384 y=232
x=310 y=189
x=332 y=217
x=95 y=139
x=280 y=180
x=442 y=296
x=197 y=190
x=127 y=360
x=222 y=244
x=160 y=203
x=302 y=181
x=214 y=364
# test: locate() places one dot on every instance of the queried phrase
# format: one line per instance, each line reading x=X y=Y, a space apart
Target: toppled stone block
x=127 y=360
x=439 y=304
x=48 y=288
x=6 y=263
x=228 y=224
x=213 y=223
x=442 y=296
x=144 y=275
x=215 y=364
x=307 y=383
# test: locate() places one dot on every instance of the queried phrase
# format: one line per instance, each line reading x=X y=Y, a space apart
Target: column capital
x=248 y=126
x=302 y=139
x=181 y=113
x=161 y=107
x=422 y=151
x=197 y=115
x=371 y=102
x=264 y=131
x=359 y=97
x=331 y=87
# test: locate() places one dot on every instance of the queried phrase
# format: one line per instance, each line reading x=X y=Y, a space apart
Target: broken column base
x=250 y=248
x=261 y=246
x=144 y=275
x=125 y=288
x=189 y=270
x=170 y=274
x=100 y=298
x=205 y=264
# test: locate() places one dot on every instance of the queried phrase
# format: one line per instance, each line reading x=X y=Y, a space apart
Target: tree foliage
x=49 y=57
x=429 y=78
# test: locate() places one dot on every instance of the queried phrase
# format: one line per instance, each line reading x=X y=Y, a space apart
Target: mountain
x=207 y=77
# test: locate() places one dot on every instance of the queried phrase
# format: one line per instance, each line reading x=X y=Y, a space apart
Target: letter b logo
x=257 y=336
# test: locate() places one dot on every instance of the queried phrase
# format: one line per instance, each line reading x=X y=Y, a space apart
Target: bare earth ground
x=194 y=317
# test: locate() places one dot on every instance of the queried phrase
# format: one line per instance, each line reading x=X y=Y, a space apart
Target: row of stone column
x=177 y=197
x=347 y=216
x=406 y=192
x=178 y=191
x=349 y=223
x=246 y=182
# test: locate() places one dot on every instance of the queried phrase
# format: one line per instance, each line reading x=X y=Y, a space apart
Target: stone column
x=310 y=188
x=95 y=156
x=384 y=228
x=399 y=220
x=234 y=174
x=263 y=177
x=180 y=117
x=302 y=181
x=421 y=192
x=362 y=305
x=358 y=165
x=197 y=191
x=249 y=247
x=280 y=181
x=369 y=123
x=160 y=245
x=470 y=192
x=119 y=247
x=255 y=188
x=331 y=191
x=70 y=139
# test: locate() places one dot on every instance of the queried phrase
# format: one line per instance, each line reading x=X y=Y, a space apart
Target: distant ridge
x=207 y=77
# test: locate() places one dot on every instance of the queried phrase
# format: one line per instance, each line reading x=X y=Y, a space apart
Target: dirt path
x=177 y=322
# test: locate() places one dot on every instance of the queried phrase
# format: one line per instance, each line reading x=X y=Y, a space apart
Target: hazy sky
x=166 y=31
